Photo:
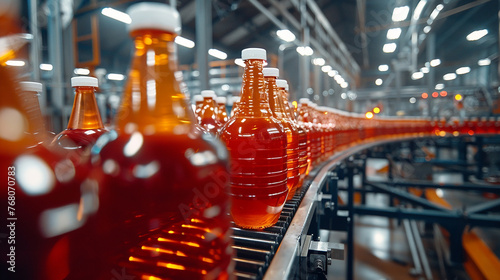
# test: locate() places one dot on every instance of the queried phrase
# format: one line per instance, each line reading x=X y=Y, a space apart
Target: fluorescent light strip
x=484 y=62
x=239 y=62
x=326 y=68
x=15 y=63
x=417 y=76
x=81 y=71
x=378 y=82
x=449 y=76
x=435 y=62
x=400 y=13
x=419 y=9
x=217 y=53
x=285 y=35
x=319 y=61
x=116 y=77
x=439 y=86
x=383 y=67
x=389 y=47
x=46 y=67
x=463 y=70
x=476 y=35
x=179 y=40
x=117 y=15
x=393 y=33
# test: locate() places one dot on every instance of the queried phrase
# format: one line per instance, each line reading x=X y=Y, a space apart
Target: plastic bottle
x=257 y=146
x=198 y=104
x=279 y=112
x=306 y=118
x=162 y=184
x=207 y=117
x=302 y=132
x=221 y=110
x=85 y=123
x=29 y=93
x=236 y=105
x=41 y=194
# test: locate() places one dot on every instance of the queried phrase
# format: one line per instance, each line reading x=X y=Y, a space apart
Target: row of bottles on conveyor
x=149 y=198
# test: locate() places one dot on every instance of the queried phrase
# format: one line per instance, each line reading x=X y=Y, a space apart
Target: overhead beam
x=361 y=6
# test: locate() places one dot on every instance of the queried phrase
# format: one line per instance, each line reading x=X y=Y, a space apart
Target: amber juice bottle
x=162 y=184
x=257 y=146
x=279 y=112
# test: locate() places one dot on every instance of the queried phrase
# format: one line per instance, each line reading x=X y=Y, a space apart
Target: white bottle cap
x=154 y=16
x=198 y=98
x=84 y=82
x=208 y=93
x=492 y=119
x=304 y=101
x=286 y=87
x=483 y=119
x=253 y=53
x=271 y=72
x=281 y=83
x=31 y=86
x=221 y=100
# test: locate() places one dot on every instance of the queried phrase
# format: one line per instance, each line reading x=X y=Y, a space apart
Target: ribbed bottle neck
x=275 y=101
x=153 y=100
x=254 y=99
x=33 y=111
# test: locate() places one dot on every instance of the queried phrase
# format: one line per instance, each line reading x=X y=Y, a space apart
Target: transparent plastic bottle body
x=41 y=190
x=292 y=134
x=208 y=116
x=162 y=184
x=38 y=130
x=221 y=113
x=257 y=146
x=84 y=128
x=302 y=139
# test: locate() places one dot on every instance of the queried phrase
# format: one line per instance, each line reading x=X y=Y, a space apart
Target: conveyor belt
x=254 y=249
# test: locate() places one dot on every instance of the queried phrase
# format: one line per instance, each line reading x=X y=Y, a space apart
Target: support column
x=203 y=40
x=54 y=32
x=304 y=64
x=350 y=224
x=431 y=76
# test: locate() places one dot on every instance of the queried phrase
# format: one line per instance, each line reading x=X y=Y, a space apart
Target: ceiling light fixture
x=116 y=77
x=463 y=70
x=179 y=40
x=217 y=54
x=476 y=35
x=400 y=13
x=383 y=67
x=389 y=47
x=393 y=33
x=285 y=35
x=435 y=62
x=117 y=15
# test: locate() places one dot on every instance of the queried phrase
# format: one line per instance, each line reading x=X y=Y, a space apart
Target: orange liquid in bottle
x=302 y=137
x=292 y=148
x=198 y=106
x=41 y=190
x=207 y=117
x=221 y=110
x=162 y=186
x=257 y=146
x=84 y=127
x=305 y=118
